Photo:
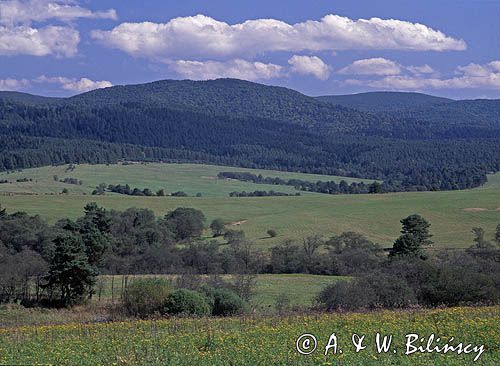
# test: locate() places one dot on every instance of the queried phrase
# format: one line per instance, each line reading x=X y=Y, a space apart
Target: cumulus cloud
x=372 y=66
x=311 y=65
x=76 y=85
x=50 y=40
x=472 y=76
x=13 y=84
x=19 y=37
x=15 y=11
x=239 y=69
x=201 y=36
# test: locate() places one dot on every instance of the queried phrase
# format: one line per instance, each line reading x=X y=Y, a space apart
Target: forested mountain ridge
x=18 y=97
x=383 y=101
x=226 y=121
x=237 y=98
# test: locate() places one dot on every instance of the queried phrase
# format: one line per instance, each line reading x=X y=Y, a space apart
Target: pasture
x=190 y=178
x=451 y=213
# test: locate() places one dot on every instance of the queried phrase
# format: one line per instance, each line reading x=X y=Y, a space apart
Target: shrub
x=345 y=295
x=391 y=292
x=145 y=296
x=186 y=302
x=272 y=233
x=372 y=291
x=218 y=226
x=227 y=303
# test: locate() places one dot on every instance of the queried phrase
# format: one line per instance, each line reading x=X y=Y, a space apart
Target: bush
x=227 y=303
x=186 y=302
x=391 y=292
x=272 y=233
x=145 y=296
x=377 y=290
x=345 y=295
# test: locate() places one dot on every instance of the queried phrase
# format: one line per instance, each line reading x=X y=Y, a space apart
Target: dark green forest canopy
x=434 y=145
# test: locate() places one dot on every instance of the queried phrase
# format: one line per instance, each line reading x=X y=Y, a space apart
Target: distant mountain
x=237 y=98
x=26 y=98
x=384 y=101
x=431 y=143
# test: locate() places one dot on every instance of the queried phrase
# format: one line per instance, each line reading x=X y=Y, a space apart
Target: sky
x=318 y=47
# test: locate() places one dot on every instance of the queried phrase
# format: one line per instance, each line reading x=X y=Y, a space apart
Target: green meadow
x=451 y=213
x=190 y=178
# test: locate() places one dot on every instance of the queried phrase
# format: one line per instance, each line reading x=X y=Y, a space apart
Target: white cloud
x=472 y=76
x=76 y=85
x=495 y=65
x=372 y=66
x=50 y=40
x=24 y=12
x=13 y=84
x=201 y=36
x=239 y=69
x=424 y=69
x=312 y=65
x=19 y=37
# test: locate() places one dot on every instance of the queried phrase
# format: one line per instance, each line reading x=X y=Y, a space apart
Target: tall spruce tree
x=414 y=237
x=70 y=275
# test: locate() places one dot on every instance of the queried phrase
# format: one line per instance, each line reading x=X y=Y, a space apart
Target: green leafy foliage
x=145 y=296
x=227 y=303
x=186 y=302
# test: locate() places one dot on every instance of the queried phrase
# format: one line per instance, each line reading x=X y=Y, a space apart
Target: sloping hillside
x=384 y=101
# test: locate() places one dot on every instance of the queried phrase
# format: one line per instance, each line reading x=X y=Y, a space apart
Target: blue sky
x=448 y=48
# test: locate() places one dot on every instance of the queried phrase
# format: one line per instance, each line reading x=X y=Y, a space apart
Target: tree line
x=261 y=194
x=59 y=264
x=328 y=187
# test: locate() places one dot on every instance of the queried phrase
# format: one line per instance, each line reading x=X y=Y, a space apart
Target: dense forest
x=427 y=144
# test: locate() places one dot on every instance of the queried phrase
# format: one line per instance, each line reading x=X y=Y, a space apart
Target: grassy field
x=452 y=214
x=256 y=340
x=190 y=178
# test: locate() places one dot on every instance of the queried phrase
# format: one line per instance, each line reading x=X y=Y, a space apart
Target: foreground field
x=255 y=341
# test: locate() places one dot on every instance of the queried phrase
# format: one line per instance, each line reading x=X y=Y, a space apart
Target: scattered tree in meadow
x=218 y=226
x=233 y=236
x=272 y=233
x=185 y=223
x=479 y=239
